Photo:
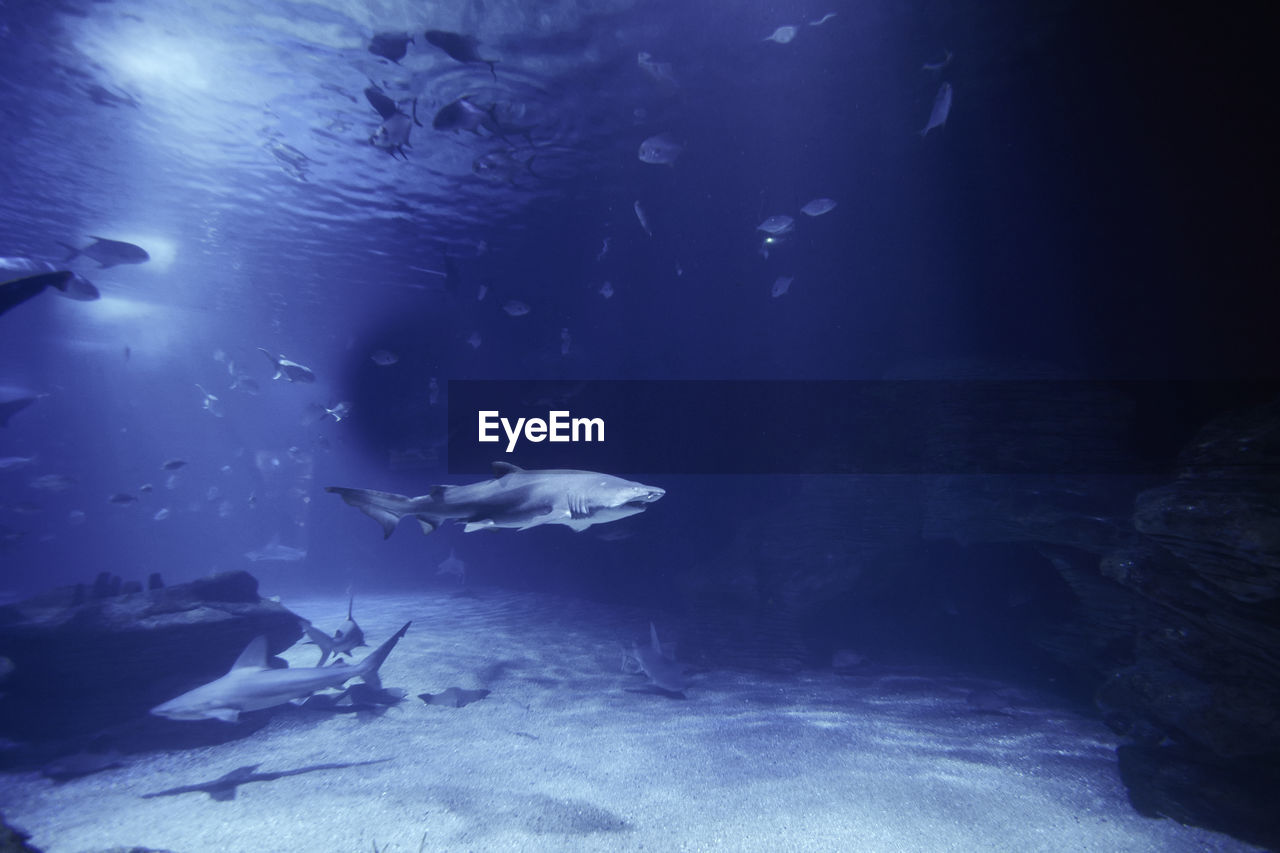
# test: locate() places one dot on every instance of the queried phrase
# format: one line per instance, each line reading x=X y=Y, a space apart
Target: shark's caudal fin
x=387 y=508
x=368 y=668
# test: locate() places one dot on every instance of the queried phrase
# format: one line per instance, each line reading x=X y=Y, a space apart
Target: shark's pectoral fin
x=227 y=715
x=550 y=516
x=483 y=524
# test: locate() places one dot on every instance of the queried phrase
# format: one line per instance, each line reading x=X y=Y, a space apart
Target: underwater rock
x=81 y=666
x=14 y=840
x=1237 y=798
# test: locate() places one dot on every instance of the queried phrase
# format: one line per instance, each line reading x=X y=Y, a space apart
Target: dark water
x=1095 y=207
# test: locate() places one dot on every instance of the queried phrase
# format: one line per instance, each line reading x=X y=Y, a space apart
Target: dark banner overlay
x=836 y=427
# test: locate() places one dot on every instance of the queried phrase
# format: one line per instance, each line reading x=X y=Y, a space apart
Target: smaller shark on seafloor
x=252 y=684
x=344 y=640
x=665 y=675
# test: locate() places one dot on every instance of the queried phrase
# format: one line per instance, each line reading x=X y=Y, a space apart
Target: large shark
x=251 y=684
x=513 y=498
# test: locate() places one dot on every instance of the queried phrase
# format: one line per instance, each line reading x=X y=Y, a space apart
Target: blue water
x=1070 y=220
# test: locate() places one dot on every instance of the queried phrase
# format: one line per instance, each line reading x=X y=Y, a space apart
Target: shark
x=251 y=684
x=344 y=640
x=514 y=498
x=666 y=675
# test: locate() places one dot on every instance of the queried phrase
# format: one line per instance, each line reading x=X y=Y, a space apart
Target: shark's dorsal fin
x=350 y=603
x=254 y=654
x=653 y=639
x=501 y=469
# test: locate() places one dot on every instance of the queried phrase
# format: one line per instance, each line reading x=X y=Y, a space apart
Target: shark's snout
x=649 y=495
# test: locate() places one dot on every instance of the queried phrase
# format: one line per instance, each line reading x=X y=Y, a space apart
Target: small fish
x=340 y=411
x=384 y=358
x=173 y=464
x=392 y=136
x=52 y=483
x=938 y=66
x=9 y=408
x=660 y=150
x=781 y=286
x=822 y=20
x=818 y=206
x=660 y=72
x=565 y=341
x=779 y=224
x=172 y=482
x=474 y=340
x=146 y=488
x=290 y=371
x=76 y=517
x=391 y=46
x=161 y=514
x=604 y=250
x=211 y=403
x=246 y=383
x=606 y=290
x=109 y=253
x=433 y=392
x=212 y=493
x=462 y=114
x=464 y=49
x=644 y=220
x=13 y=463
x=941 y=109
x=783 y=35
x=516 y=308
x=122 y=499
x=481 y=292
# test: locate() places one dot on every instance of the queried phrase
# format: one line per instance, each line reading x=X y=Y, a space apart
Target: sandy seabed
x=561 y=756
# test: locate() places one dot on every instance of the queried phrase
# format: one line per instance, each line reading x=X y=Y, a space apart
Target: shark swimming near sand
x=252 y=684
x=666 y=676
x=513 y=498
x=344 y=640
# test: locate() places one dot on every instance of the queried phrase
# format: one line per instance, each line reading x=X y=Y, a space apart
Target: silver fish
x=644 y=220
x=660 y=150
x=109 y=253
x=818 y=206
x=783 y=35
x=779 y=224
x=938 y=66
x=941 y=109
x=516 y=308
x=781 y=286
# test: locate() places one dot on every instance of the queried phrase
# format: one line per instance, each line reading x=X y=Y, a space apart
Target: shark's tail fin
x=369 y=666
x=321 y=639
x=387 y=508
x=72 y=250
